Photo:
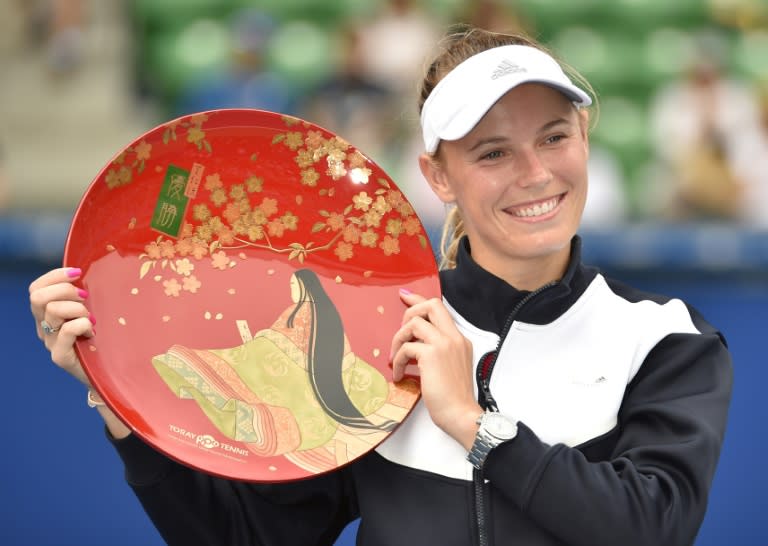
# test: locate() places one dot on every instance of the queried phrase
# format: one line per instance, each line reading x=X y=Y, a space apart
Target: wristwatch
x=494 y=429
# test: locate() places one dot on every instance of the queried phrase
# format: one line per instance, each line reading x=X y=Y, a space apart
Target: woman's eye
x=493 y=155
x=555 y=139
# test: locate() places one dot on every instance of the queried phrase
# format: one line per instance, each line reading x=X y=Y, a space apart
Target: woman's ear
x=436 y=178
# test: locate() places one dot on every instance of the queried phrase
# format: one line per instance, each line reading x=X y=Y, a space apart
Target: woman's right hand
x=56 y=300
x=429 y=337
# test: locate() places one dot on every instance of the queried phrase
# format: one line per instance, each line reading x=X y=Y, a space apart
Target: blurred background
x=678 y=186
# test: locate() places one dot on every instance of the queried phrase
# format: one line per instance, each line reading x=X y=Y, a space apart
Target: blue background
x=62 y=483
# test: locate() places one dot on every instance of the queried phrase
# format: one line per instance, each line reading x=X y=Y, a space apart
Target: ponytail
x=453 y=231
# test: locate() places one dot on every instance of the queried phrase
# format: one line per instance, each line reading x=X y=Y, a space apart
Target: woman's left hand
x=429 y=337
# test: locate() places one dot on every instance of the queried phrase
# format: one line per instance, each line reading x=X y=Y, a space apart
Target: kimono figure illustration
x=295 y=389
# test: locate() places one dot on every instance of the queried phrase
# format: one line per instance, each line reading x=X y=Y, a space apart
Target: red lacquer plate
x=244 y=270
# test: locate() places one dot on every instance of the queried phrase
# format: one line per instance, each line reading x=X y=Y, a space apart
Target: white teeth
x=538 y=209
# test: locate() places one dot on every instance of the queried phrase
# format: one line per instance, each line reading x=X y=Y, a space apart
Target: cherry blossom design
x=230 y=217
x=121 y=171
x=194 y=129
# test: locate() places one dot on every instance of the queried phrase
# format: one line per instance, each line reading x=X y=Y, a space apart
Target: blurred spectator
x=699 y=122
x=59 y=26
x=607 y=201
x=396 y=43
x=245 y=82
x=494 y=15
x=67 y=40
x=751 y=164
x=352 y=104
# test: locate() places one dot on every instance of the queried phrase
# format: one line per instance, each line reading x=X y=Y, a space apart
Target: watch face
x=499 y=426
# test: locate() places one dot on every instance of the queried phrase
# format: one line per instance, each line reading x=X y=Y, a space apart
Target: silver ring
x=47 y=328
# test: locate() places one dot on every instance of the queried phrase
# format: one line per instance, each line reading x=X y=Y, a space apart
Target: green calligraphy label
x=172 y=202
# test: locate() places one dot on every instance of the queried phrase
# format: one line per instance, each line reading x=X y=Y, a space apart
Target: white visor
x=466 y=93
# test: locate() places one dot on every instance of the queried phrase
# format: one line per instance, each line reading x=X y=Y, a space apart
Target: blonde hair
x=456 y=47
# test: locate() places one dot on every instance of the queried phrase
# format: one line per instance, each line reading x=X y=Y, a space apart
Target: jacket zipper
x=486 y=401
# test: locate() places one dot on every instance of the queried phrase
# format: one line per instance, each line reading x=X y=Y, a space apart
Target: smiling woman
x=546 y=386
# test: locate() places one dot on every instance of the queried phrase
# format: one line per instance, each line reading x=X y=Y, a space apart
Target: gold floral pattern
x=229 y=217
x=194 y=128
x=132 y=161
x=121 y=171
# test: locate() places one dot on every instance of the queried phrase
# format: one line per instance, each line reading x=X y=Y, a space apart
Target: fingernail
x=92 y=319
x=73 y=272
x=82 y=293
x=405 y=292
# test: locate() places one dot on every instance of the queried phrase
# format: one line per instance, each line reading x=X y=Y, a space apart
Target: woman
x=558 y=406
x=259 y=392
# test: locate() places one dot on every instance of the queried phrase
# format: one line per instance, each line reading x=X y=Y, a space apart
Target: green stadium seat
x=751 y=55
x=323 y=12
x=649 y=14
x=609 y=60
x=623 y=129
x=667 y=52
x=179 y=57
x=549 y=17
x=302 y=52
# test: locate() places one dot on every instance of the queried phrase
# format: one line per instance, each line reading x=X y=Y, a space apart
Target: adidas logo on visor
x=505 y=68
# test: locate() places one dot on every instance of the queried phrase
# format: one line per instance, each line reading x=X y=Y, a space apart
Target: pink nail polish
x=92 y=319
x=73 y=272
x=82 y=293
x=405 y=292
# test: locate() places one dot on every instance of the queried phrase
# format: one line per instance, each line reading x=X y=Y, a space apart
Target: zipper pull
x=483 y=378
x=490 y=403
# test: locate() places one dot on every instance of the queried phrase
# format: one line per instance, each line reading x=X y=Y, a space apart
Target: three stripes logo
x=505 y=68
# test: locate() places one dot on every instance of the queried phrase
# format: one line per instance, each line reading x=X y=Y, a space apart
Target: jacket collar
x=486 y=301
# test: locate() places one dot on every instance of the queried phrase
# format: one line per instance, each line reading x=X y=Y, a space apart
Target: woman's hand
x=429 y=337
x=58 y=302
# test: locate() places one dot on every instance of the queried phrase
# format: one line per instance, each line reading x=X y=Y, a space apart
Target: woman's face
x=295 y=289
x=519 y=179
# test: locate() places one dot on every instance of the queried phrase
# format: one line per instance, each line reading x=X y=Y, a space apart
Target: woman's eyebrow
x=553 y=124
x=487 y=140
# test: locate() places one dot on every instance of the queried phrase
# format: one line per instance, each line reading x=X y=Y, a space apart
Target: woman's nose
x=531 y=170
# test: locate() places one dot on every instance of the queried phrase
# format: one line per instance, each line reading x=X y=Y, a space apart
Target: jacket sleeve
x=650 y=487
x=192 y=508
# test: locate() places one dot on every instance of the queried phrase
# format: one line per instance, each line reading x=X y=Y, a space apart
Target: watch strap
x=485 y=441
